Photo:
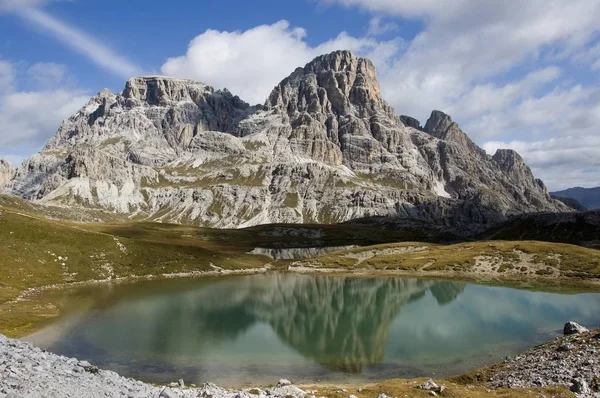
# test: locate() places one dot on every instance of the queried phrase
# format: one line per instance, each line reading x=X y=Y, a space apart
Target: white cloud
x=48 y=75
x=252 y=62
x=378 y=27
x=29 y=118
x=7 y=76
x=81 y=42
x=562 y=162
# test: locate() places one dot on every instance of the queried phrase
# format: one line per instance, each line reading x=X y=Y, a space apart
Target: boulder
x=573 y=328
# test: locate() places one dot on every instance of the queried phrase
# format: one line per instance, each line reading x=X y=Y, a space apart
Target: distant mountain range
x=587 y=197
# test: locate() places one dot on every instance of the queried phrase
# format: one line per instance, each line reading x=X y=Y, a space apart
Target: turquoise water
x=256 y=329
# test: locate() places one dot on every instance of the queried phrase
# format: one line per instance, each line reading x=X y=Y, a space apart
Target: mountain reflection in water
x=235 y=330
x=339 y=322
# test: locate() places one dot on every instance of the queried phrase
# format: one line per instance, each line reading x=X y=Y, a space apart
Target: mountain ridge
x=325 y=147
x=587 y=197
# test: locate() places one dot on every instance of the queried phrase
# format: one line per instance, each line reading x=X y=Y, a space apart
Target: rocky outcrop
x=7 y=172
x=325 y=147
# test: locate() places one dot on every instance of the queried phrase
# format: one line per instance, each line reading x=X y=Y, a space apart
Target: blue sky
x=524 y=75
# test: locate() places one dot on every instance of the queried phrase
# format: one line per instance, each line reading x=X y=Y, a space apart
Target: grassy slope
x=508 y=260
x=38 y=252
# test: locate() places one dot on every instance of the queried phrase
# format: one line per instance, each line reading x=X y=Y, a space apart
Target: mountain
x=324 y=147
x=572 y=203
x=588 y=197
x=576 y=228
x=6 y=172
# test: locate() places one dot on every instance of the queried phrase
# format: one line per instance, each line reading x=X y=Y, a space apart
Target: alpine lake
x=255 y=329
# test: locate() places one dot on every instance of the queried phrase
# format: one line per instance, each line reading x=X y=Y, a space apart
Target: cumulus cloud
x=562 y=162
x=29 y=118
x=252 y=62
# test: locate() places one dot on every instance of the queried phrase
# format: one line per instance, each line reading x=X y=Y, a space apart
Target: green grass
x=575 y=261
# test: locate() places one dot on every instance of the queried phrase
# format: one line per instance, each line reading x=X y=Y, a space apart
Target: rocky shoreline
x=571 y=360
x=28 y=371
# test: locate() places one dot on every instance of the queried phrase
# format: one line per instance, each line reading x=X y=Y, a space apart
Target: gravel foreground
x=572 y=360
x=27 y=371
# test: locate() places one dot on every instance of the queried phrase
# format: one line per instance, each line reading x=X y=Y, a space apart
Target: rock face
x=325 y=147
x=6 y=172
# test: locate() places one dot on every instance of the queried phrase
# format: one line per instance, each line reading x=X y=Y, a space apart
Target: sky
x=512 y=74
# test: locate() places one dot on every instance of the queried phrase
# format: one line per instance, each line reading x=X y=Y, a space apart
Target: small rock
x=429 y=385
x=565 y=347
x=166 y=393
x=361 y=389
x=382 y=395
x=181 y=383
x=352 y=396
x=433 y=393
x=573 y=328
x=173 y=384
x=283 y=383
x=580 y=386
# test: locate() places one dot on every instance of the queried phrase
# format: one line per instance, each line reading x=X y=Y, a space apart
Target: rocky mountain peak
x=6 y=172
x=338 y=83
x=513 y=165
x=161 y=90
x=508 y=159
x=438 y=124
x=441 y=125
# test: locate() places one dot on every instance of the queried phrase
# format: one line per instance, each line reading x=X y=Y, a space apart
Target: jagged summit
x=338 y=83
x=325 y=147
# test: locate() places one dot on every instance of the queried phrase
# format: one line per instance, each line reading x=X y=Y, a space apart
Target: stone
x=565 y=347
x=283 y=383
x=573 y=328
x=382 y=395
x=429 y=385
x=580 y=386
x=7 y=172
x=325 y=147
x=166 y=393
x=181 y=383
x=433 y=393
